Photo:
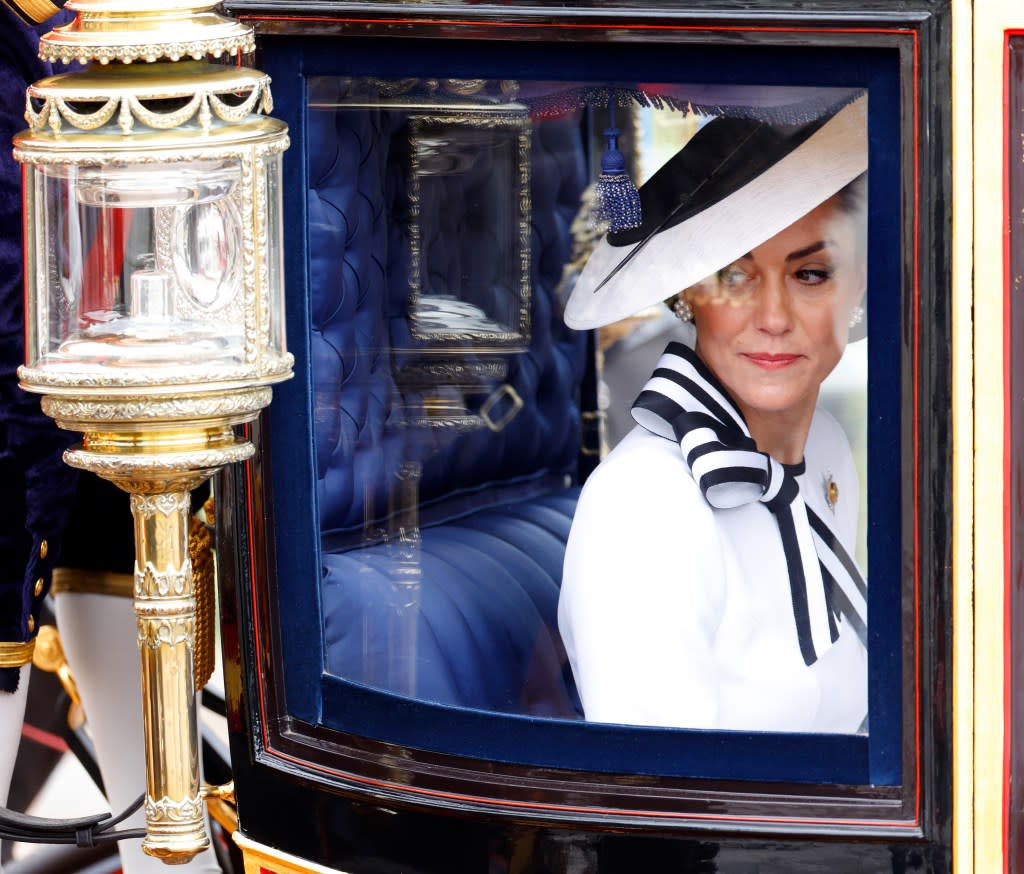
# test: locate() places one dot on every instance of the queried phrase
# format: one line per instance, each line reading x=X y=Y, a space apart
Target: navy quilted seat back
x=494 y=505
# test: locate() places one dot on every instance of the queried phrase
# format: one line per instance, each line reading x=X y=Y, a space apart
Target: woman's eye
x=732 y=277
x=813 y=275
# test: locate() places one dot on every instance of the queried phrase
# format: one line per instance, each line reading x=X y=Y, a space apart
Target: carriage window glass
x=715 y=574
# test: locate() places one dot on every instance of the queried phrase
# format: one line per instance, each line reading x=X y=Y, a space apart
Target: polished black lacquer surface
x=369 y=803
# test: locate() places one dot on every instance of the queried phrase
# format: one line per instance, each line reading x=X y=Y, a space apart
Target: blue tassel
x=617 y=197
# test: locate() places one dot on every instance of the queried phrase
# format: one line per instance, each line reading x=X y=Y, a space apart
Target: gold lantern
x=154 y=317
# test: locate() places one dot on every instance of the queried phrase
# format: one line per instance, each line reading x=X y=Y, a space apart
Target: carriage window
x=455 y=228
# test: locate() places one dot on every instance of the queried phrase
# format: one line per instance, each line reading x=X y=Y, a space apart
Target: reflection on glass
x=449 y=223
x=205 y=247
x=122 y=240
x=468 y=239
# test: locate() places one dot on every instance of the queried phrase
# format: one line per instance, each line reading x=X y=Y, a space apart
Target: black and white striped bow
x=683 y=401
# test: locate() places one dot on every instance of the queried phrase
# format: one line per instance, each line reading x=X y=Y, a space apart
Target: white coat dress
x=677 y=614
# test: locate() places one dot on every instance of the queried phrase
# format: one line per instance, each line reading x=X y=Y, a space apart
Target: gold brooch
x=831 y=492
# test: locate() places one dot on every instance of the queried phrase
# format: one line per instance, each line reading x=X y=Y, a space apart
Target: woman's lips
x=771 y=361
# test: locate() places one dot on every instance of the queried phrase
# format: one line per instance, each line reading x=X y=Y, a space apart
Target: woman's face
x=773 y=324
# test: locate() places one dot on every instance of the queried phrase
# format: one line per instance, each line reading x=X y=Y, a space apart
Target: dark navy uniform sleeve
x=36 y=487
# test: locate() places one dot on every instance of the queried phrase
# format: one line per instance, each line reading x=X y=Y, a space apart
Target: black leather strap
x=86 y=831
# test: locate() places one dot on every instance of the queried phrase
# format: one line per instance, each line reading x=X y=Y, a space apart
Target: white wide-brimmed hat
x=736 y=184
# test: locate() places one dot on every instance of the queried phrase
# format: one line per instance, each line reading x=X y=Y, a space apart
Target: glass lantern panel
x=138 y=268
x=275 y=255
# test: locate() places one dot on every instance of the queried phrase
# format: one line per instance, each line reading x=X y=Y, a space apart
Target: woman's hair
x=853 y=196
x=852 y=200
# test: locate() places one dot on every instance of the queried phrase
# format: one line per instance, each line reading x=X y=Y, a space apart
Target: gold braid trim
x=16 y=653
x=36 y=11
x=69 y=579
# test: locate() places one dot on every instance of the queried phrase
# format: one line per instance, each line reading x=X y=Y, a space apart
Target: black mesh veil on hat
x=737 y=183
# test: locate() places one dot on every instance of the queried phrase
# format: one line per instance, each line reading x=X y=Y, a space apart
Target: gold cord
x=200 y=551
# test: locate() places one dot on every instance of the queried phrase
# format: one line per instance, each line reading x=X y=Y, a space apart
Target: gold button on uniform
x=31 y=624
x=38 y=590
x=44 y=548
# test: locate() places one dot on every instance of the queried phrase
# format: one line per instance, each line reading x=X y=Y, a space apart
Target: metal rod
x=165 y=611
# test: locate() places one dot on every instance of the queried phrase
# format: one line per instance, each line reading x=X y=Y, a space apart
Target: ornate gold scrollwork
x=58 y=109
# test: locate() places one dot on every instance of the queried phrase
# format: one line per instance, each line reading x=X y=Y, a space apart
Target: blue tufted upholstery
x=494 y=507
x=484 y=623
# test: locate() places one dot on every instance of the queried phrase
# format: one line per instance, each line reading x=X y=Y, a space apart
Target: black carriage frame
x=373 y=790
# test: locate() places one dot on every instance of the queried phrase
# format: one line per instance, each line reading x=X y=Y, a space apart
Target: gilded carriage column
x=159 y=464
x=155 y=308
x=165 y=610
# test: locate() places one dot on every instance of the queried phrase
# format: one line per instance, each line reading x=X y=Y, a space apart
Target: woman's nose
x=774 y=313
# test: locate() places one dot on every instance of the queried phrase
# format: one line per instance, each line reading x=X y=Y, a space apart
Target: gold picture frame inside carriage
x=479 y=303
x=478 y=298
x=458 y=238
